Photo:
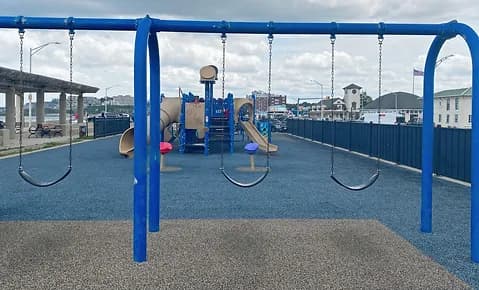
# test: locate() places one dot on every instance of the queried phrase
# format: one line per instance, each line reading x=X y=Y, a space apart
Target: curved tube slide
x=170 y=113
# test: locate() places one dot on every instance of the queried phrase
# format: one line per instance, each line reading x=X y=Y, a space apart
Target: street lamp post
x=321 y=101
x=106 y=97
x=34 y=51
x=442 y=59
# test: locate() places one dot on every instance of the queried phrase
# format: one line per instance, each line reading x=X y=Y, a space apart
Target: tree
x=364 y=99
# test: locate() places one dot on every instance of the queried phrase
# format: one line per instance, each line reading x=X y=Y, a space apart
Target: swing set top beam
x=332 y=28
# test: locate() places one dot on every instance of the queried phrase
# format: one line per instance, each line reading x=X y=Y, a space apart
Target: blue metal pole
x=224 y=26
x=473 y=42
x=428 y=135
x=139 y=188
x=154 y=200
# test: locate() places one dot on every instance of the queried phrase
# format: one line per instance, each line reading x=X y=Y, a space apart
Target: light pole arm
x=35 y=50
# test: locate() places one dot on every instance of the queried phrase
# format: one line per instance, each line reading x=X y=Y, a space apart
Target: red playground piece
x=165 y=147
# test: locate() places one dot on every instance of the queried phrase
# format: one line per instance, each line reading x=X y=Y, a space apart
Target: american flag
x=417 y=72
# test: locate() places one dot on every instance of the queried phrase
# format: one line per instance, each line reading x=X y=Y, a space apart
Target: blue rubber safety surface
x=298 y=186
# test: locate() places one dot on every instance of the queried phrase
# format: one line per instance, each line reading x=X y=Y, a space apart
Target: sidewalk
x=34 y=142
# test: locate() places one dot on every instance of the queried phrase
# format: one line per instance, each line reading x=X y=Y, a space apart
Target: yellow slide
x=170 y=113
x=256 y=137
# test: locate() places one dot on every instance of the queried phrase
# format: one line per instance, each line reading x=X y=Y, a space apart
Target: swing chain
x=223 y=41
x=380 y=73
x=21 y=34
x=71 y=35
x=333 y=41
x=380 y=58
x=270 y=47
x=270 y=43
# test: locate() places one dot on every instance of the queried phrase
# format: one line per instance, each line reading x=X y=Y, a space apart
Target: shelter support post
x=10 y=114
x=40 y=107
x=80 y=108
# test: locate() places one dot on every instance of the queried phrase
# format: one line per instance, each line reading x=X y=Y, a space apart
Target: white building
x=329 y=109
x=352 y=98
x=453 y=108
x=120 y=100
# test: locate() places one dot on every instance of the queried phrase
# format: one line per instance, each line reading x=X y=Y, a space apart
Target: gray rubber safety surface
x=216 y=254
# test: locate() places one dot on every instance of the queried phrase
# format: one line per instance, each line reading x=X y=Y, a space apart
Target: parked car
x=103 y=115
x=2 y=125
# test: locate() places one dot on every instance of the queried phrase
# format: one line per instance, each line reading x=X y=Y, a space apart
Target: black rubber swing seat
x=242 y=184
x=28 y=178
x=358 y=187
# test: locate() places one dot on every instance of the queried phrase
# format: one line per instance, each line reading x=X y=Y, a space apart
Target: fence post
x=370 y=139
x=322 y=132
x=350 y=134
x=312 y=123
x=304 y=128
x=437 y=151
x=398 y=144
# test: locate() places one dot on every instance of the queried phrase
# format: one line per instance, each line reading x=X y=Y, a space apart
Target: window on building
x=456 y=118
x=456 y=104
x=448 y=104
x=447 y=119
x=439 y=119
x=469 y=119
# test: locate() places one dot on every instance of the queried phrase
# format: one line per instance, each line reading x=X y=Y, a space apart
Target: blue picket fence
x=397 y=143
x=103 y=127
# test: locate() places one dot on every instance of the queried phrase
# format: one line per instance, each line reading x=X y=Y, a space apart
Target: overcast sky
x=105 y=59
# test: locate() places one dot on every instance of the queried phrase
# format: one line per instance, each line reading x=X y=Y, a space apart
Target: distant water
x=48 y=118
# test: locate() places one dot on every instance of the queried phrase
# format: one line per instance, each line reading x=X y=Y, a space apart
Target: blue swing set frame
x=146 y=39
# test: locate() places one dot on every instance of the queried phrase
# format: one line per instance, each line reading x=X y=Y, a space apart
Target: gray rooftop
x=33 y=82
x=454 y=93
x=352 y=86
x=404 y=101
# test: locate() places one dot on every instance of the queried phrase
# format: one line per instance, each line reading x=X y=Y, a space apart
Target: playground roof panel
x=33 y=82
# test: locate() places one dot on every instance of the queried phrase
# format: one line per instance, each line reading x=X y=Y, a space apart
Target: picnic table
x=50 y=130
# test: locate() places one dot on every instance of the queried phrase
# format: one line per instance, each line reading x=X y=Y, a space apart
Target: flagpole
x=413 y=77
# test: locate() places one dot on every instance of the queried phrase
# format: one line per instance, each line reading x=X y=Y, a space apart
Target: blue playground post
x=154 y=198
x=428 y=135
x=472 y=40
x=139 y=188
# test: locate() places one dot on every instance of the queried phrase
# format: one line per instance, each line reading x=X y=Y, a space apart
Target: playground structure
x=170 y=113
x=208 y=124
x=146 y=38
